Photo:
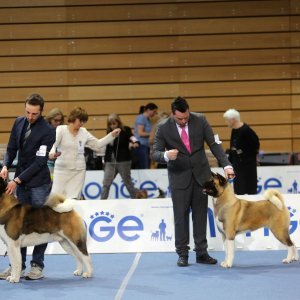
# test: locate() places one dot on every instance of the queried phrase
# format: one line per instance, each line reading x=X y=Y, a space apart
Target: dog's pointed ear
x=213 y=174
x=222 y=179
x=3 y=185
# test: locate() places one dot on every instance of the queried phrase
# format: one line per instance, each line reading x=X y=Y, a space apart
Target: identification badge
x=42 y=151
x=217 y=139
x=80 y=147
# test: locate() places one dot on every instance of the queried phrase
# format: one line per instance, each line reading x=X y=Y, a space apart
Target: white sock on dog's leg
x=289 y=258
x=229 y=254
x=16 y=264
x=296 y=256
x=230 y=257
x=226 y=249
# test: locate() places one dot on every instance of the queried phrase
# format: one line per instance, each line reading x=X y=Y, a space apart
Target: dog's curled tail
x=59 y=203
x=275 y=197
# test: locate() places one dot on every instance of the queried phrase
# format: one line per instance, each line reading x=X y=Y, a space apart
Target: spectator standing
x=55 y=117
x=118 y=157
x=31 y=139
x=179 y=142
x=142 y=129
x=159 y=118
x=68 y=149
x=244 y=147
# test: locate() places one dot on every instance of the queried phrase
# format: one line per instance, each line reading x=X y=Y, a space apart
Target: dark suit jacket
x=186 y=165
x=32 y=167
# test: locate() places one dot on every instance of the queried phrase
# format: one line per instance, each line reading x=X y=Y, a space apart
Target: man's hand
x=4 y=172
x=11 y=186
x=229 y=173
x=172 y=154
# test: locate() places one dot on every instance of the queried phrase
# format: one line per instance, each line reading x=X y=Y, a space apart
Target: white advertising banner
x=121 y=225
x=286 y=179
x=147 y=225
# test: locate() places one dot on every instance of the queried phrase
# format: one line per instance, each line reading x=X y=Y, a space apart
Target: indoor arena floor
x=258 y=275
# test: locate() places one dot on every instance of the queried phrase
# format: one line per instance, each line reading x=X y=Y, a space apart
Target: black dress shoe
x=205 y=259
x=182 y=261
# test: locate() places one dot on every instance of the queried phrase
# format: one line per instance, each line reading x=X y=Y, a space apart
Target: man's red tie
x=185 y=139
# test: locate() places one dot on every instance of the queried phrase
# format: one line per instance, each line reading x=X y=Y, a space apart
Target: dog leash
x=117 y=151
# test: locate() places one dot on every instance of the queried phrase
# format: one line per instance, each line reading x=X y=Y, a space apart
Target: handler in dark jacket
x=31 y=140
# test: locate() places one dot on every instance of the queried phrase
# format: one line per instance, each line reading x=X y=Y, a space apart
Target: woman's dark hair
x=78 y=113
x=35 y=100
x=149 y=106
x=142 y=109
x=179 y=104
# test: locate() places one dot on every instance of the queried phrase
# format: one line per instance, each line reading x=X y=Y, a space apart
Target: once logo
x=127 y=228
x=93 y=190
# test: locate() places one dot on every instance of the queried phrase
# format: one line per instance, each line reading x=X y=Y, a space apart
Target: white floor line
x=128 y=276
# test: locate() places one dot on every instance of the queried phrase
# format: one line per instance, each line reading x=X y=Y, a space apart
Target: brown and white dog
x=234 y=215
x=22 y=225
x=141 y=194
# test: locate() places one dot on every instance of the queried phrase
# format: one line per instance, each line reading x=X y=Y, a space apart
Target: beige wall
x=113 y=56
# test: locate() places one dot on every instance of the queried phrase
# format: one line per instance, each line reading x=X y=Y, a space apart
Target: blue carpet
x=256 y=275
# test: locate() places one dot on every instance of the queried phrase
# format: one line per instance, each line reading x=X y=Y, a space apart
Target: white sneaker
x=7 y=272
x=35 y=273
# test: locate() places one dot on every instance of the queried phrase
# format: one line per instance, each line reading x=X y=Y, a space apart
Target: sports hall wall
x=115 y=55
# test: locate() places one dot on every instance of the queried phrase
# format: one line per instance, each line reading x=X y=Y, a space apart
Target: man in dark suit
x=31 y=140
x=179 y=142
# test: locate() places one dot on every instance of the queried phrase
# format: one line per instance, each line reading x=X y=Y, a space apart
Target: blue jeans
x=36 y=197
x=143 y=160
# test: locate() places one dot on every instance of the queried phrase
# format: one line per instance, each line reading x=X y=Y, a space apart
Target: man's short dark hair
x=179 y=104
x=35 y=100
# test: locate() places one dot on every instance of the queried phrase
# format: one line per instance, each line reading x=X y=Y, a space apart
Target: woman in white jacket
x=68 y=149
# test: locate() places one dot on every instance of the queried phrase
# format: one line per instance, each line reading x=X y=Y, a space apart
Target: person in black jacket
x=118 y=157
x=30 y=141
x=244 y=147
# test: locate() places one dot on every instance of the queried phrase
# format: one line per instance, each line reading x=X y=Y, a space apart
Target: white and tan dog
x=234 y=215
x=22 y=225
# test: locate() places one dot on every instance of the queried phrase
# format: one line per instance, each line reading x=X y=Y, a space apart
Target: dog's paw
x=77 y=272
x=287 y=260
x=295 y=257
x=87 y=275
x=225 y=264
x=12 y=279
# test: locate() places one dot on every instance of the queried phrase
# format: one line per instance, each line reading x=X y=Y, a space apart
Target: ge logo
x=293 y=223
x=270 y=183
x=127 y=228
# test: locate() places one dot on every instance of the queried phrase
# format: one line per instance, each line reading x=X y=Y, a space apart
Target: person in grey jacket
x=179 y=142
